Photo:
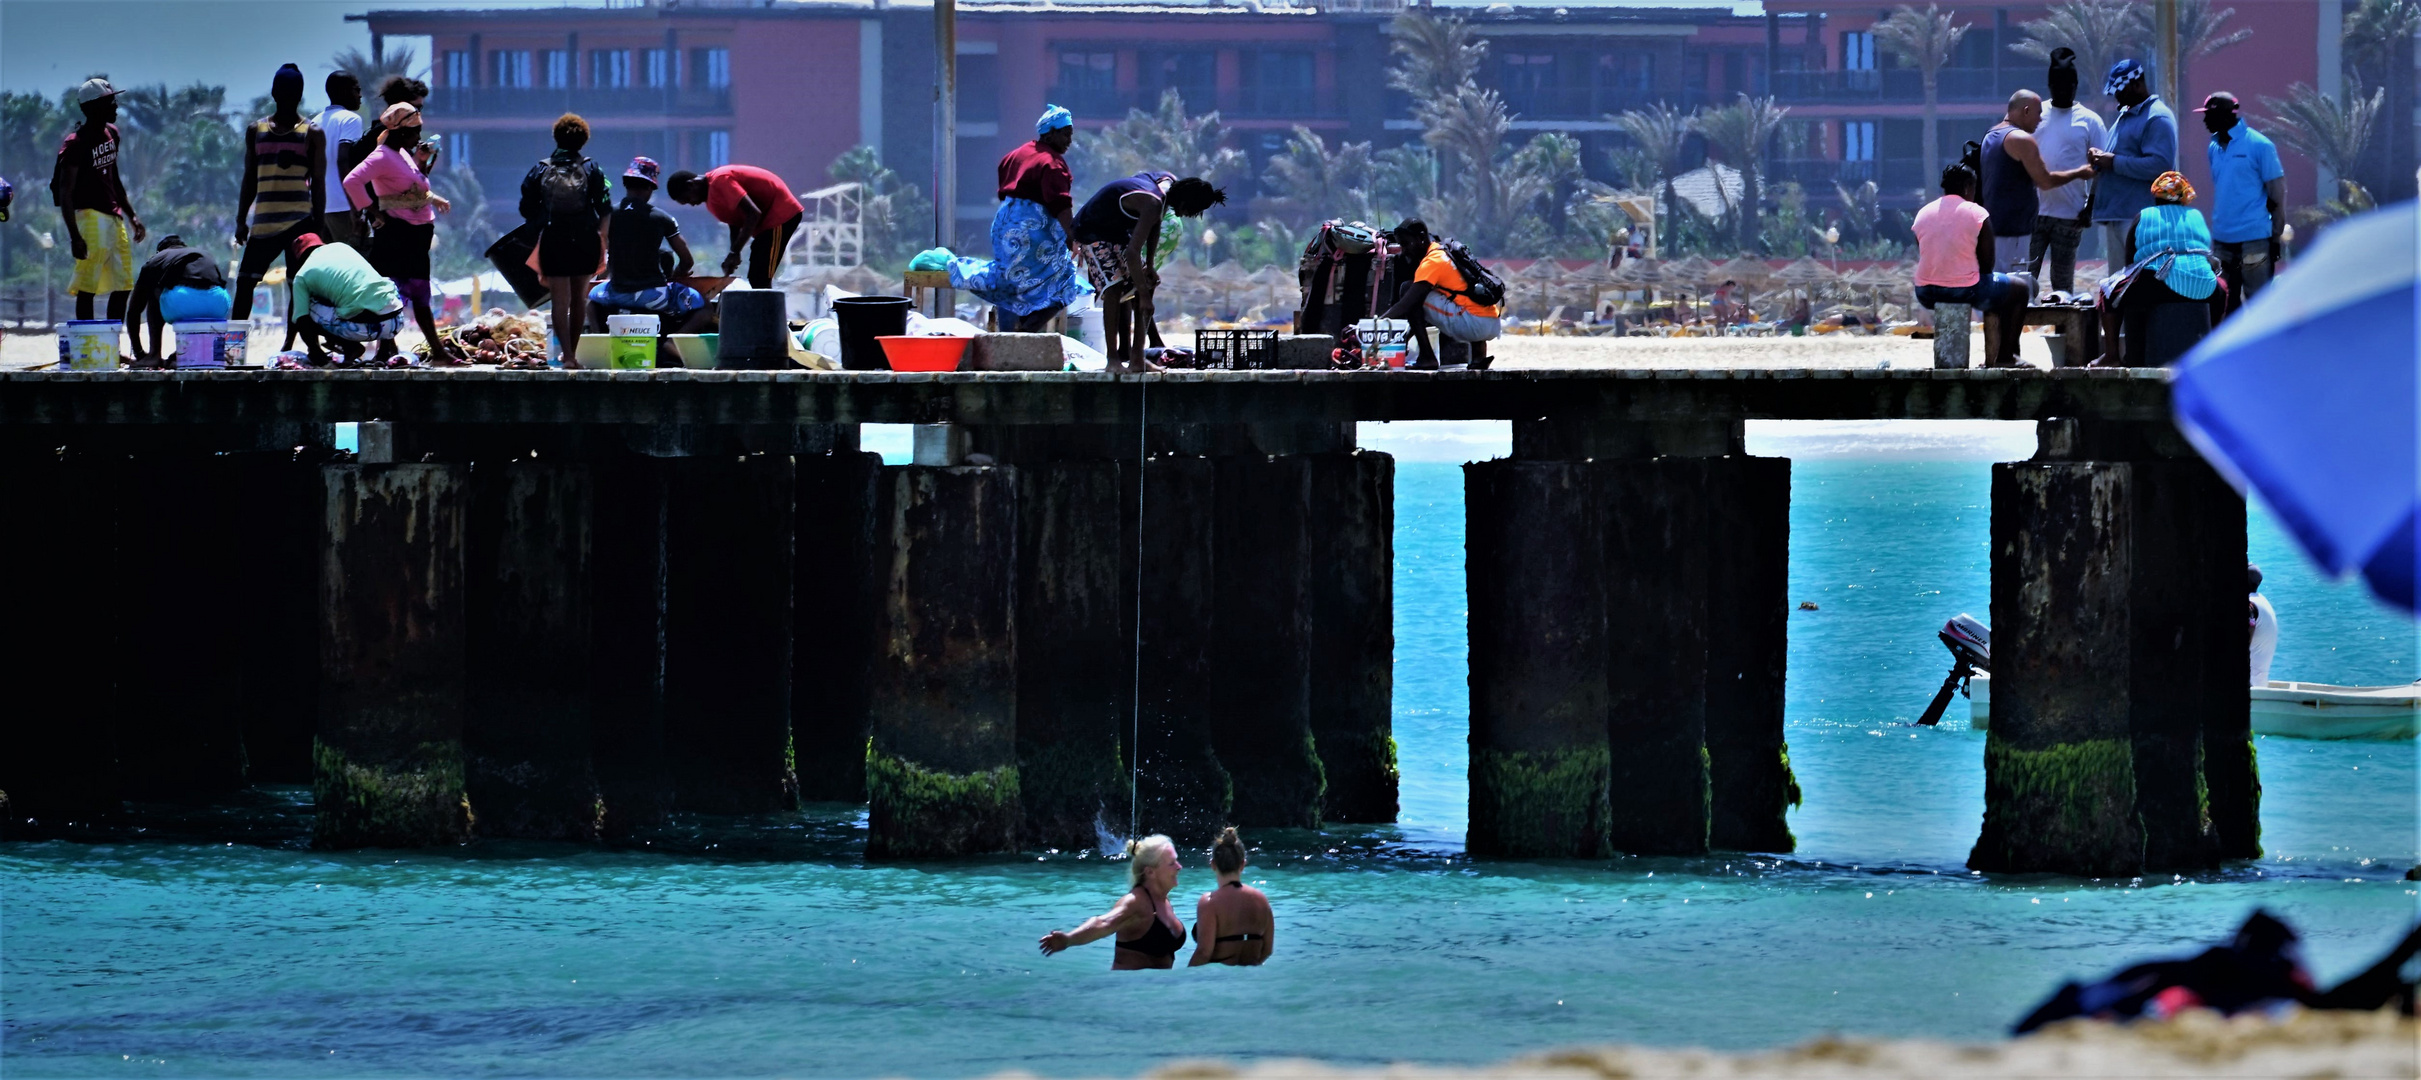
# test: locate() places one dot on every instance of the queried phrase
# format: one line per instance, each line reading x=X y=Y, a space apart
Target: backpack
x=1480 y=283
x=563 y=186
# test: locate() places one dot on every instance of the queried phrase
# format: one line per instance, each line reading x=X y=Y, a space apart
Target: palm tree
x=893 y=209
x=1309 y=182
x=1165 y=138
x=1925 y=40
x=1434 y=55
x=1467 y=128
x=2320 y=128
x=1662 y=132
x=374 y=69
x=2099 y=31
x=2374 y=30
x=2201 y=32
x=1740 y=133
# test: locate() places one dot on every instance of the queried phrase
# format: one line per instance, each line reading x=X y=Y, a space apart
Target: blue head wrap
x=1054 y=117
x=2122 y=74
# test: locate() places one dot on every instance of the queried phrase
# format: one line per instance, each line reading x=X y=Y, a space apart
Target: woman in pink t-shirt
x=1954 y=245
x=390 y=188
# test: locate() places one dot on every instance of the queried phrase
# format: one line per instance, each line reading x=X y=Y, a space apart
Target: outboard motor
x=1970 y=645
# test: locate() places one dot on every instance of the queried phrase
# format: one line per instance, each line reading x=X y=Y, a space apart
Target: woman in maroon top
x=1032 y=274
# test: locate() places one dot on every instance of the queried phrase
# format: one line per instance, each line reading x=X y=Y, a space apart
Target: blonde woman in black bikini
x=1232 y=923
x=1149 y=934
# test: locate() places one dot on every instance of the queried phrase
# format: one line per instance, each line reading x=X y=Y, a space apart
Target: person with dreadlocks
x=1118 y=241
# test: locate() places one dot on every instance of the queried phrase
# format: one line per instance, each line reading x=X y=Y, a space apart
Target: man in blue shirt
x=2143 y=145
x=2248 y=198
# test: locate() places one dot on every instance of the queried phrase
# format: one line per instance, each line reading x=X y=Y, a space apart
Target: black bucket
x=864 y=318
x=754 y=334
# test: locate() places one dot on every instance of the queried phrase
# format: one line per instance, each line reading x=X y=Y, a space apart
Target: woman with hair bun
x=1149 y=934
x=1232 y=923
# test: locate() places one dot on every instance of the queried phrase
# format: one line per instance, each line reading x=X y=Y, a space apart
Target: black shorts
x=260 y=251
x=765 y=251
x=400 y=249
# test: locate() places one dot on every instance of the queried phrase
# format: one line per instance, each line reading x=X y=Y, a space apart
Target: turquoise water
x=767 y=947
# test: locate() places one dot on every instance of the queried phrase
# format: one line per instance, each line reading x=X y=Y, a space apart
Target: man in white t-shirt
x=2263 y=621
x=341 y=123
x=2067 y=132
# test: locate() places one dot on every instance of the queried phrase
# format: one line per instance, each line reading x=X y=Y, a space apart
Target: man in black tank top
x=2013 y=173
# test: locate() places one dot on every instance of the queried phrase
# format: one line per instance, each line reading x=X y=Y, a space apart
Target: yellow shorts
x=108 y=264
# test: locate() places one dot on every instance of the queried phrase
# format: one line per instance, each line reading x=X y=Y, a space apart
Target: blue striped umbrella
x=2311 y=395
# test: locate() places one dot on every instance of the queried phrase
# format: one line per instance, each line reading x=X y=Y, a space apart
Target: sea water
x=766 y=945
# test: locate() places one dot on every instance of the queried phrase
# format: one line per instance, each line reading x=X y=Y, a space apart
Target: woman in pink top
x=1954 y=245
x=389 y=188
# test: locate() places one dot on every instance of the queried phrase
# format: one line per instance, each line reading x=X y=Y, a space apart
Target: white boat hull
x=2301 y=710
x=2294 y=710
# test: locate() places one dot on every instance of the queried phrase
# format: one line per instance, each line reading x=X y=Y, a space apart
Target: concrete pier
x=1075 y=651
x=388 y=763
x=1182 y=788
x=278 y=499
x=528 y=657
x=627 y=574
x=2118 y=665
x=727 y=648
x=179 y=722
x=942 y=766
x=1261 y=624
x=58 y=756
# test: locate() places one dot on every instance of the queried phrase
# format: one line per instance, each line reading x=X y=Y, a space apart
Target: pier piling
x=941 y=767
x=1352 y=597
x=1261 y=628
x=527 y=717
x=1075 y=651
x=388 y=763
x=727 y=646
x=1182 y=788
x=627 y=575
x=836 y=595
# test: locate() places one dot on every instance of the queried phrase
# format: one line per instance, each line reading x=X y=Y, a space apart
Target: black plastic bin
x=864 y=318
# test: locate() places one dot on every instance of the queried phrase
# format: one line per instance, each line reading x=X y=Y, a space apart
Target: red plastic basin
x=924 y=353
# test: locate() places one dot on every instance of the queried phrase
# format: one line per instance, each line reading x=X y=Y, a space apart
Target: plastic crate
x=1235 y=350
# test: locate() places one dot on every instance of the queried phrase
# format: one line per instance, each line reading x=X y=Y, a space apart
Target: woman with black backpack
x=564 y=198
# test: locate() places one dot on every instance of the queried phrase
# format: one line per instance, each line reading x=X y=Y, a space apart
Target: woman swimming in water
x=1232 y=923
x=1149 y=934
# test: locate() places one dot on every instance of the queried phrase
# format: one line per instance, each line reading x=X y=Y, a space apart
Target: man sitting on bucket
x=1441 y=295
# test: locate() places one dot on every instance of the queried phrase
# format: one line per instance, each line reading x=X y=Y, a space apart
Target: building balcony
x=1241 y=103
x=1577 y=102
x=1895 y=86
x=494 y=101
x=1818 y=175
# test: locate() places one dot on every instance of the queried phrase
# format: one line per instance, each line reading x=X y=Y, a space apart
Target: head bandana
x=2172 y=187
x=2122 y=75
x=1054 y=117
x=399 y=115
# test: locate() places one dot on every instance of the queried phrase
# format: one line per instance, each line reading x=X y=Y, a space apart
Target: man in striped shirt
x=285 y=185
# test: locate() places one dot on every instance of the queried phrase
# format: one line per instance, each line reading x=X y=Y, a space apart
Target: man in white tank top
x=342 y=124
x=2067 y=132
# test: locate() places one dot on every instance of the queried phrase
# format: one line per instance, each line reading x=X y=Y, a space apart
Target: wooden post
x=941 y=768
x=388 y=768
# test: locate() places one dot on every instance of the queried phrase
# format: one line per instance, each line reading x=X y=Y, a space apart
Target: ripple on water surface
x=765 y=945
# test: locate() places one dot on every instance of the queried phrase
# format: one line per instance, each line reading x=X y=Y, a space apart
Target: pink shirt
x=402 y=191
x=1946 y=230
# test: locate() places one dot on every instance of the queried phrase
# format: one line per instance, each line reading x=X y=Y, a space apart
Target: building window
x=458 y=149
x=1524 y=73
x=718 y=149
x=609 y=69
x=1088 y=71
x=659 y=68
x=458 y=71
x=711 y=68
x=559 y=73
x=1629 y=72
x=1857 y=140
x=1857 y=50
x=1193 y=74
x=1279 y=82
x=512 y=68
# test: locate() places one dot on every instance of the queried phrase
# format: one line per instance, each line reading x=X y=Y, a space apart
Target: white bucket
x=235 y=344
x=89 y=345
x=633 y=341
x=201 y=343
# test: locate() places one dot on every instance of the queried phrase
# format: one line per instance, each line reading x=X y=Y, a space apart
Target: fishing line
x=1134 y=783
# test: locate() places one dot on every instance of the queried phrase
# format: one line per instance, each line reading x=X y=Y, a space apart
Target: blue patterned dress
x=1032 y=271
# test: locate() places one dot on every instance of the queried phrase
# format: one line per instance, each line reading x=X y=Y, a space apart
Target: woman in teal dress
x=2170 y=260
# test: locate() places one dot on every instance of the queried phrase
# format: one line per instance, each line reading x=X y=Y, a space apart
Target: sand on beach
x=2196 y=1044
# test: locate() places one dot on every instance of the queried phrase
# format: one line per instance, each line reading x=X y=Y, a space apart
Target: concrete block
x=1951 y=323
x=1303 y=352
x=1018 y=352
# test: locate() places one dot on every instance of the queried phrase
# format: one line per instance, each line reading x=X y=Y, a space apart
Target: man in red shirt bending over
x=756 y=204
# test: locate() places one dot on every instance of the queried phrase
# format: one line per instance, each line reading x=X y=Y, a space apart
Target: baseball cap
x=303 y=244
x=643 y=168
x=2219 y=100
x=2122 y=75
x=94 y=89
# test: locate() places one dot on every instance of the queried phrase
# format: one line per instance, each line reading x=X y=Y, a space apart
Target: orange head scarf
x=2173 y=188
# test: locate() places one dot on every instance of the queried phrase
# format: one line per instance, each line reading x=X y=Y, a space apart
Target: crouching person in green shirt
x=339 y=298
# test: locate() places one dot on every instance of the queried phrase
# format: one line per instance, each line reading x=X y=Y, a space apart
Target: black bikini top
x=1159 y=940
x=1234 y=937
